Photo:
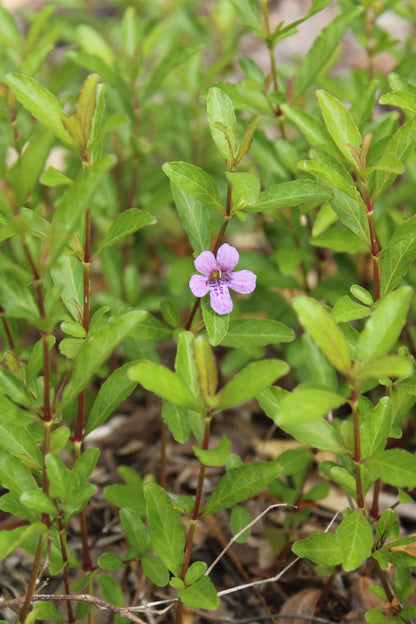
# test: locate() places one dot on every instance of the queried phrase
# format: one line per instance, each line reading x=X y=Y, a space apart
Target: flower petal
x=199 y=285
x=242 y=281
x=205 y=263
x=220 y=299
x=227 y=258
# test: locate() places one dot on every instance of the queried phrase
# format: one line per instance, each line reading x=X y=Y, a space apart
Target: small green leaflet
x=166 y=531
x=239 y=484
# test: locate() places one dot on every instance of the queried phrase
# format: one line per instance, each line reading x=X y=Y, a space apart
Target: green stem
x=195 y=513
x=61 y=527
x=47 y=423
x=357 y=449
x=7 y=329
x=32 y=582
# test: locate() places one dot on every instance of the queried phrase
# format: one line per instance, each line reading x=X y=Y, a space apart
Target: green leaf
x=10 y=35
x=240 y=518
x=200 y=595
x=195 y=182
x=395 y=264
x=19 y=441
x=394 y=466
x=126 y=223
x=222 y=123
x=321 y=548
x=195 y=218
x=355 y=538
x=10 y=412
x=351 y=214
x=73 y=205
x=217 y=456
x=45 y=611
x=97 y=348
x=38 y=501
x=177 y=421
x=15 y=475
x=207 y=369
x=246 y=185
x=250 y=14
x=322 y=48
x=312 y=129
x=195 y=571
x=322 y=374
x=79 y=124
x=15 y=297
x=387 y=366
x=375 y=428
x=388 y=525
x=30 y=164
x=93 y=42
x=340 y=124
x=41 y=103
x=340 y=240
x=402 y=99
x=164 y=383
x=85 y=464
x=389 y=163
x=111 y=590
x=12 y=386
x=361 y=294
x=112 y=392
x=166 y=531
x=126 y=496
x=250 y=381
x=406 y=231
x=333 y=176
x=156 y=570
x=110 y=561
x=383 y=328
x=305 y=404
x=323 y=330
x=151 y=329
x=71 y=328
x=288 y=194
x=215 y=324
x=68 y=273
x=173 y=59
x=249 y=132
x=185 y=365
x=10 y=540
x=363 y=104
x=241 y=483
x=346 y=310
x=400 y=145
x=62 y=481
x=135 y=530
x=247 y=333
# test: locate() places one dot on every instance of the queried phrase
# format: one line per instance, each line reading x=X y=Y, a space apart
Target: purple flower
x=218 y=277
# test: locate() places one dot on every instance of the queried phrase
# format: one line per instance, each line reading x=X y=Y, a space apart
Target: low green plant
x=103 y=261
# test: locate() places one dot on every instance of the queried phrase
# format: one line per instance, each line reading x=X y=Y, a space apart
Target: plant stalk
x=357 y=449
x=32 y=582
x=195 y=513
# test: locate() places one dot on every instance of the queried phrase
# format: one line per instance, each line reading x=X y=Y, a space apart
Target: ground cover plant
x=217 y=242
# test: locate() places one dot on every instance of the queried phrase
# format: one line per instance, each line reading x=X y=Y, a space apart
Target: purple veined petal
x=205 y=263
x=242 y=281
x=199 y=285
x=227 y=258
x=220 y=299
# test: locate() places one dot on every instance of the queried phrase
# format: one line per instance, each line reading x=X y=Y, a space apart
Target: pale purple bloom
x=217 y=277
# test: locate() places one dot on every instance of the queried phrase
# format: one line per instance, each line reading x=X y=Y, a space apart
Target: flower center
x=215 y=275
